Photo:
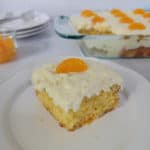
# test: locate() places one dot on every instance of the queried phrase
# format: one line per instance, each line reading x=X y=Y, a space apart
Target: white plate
x=32 y=29
x=19 y=25
x=25 y=124
x=32 y=32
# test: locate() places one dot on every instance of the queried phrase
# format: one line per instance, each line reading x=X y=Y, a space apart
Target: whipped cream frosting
x=111 y=24
x=68 y=89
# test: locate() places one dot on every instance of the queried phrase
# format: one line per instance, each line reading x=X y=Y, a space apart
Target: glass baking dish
x=105 y=46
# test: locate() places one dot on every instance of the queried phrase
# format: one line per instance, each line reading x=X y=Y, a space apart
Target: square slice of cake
x=77 y=91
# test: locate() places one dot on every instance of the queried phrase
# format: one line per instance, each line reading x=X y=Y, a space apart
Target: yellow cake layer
x=89 y=110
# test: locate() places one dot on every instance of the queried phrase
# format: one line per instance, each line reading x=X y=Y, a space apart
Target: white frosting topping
x=111 y=23
x=68 y=89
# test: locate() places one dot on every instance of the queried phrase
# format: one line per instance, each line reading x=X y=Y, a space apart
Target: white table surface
x=49 y=45
x=55 y=7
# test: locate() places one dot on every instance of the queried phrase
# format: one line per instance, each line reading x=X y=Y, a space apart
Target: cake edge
x=87 y=120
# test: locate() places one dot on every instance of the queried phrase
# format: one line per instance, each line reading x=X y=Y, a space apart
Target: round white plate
x=25 y=124
x=32 y=32
x=32 y=29
x=19 y=24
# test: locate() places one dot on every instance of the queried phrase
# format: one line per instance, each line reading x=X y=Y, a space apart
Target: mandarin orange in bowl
x=7 y=47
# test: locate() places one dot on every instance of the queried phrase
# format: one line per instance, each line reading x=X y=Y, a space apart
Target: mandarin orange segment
x=1 y=50
x=146 y=15
x=126 y=20
x=136 y=26
x=7 y=49
x=87 y=13
x=71 y=65
x=139 y=11
x=2 y=44
x=9 y=43
x=97 y=19
x=6 y=58
x=1 y=41
x=113 y=11
x=1 y=38
x=118 y=13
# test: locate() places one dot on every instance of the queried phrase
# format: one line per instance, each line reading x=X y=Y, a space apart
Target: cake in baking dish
x=132 y=30
x=77 y=91
x=114 y=21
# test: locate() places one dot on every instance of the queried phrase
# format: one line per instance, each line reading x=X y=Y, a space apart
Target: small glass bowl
x=8 y=45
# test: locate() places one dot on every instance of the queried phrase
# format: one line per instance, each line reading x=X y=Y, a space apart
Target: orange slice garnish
x=146 y=15
x=120 y=14
x=126 y=20
x=71 y=65
x=117 y=13
x=136 y=26
x=97 y=19
x=87 y=13
x=139 y=11
x=113 y=11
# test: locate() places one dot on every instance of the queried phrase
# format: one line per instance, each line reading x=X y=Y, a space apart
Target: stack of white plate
x=30 y=23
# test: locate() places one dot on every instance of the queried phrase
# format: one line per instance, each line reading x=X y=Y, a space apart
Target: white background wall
x=66 y=6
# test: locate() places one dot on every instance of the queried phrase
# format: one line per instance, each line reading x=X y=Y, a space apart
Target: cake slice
x=77 y=91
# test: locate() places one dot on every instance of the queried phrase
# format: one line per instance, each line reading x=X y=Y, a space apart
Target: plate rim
x=32 y=33
x=33 y=29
